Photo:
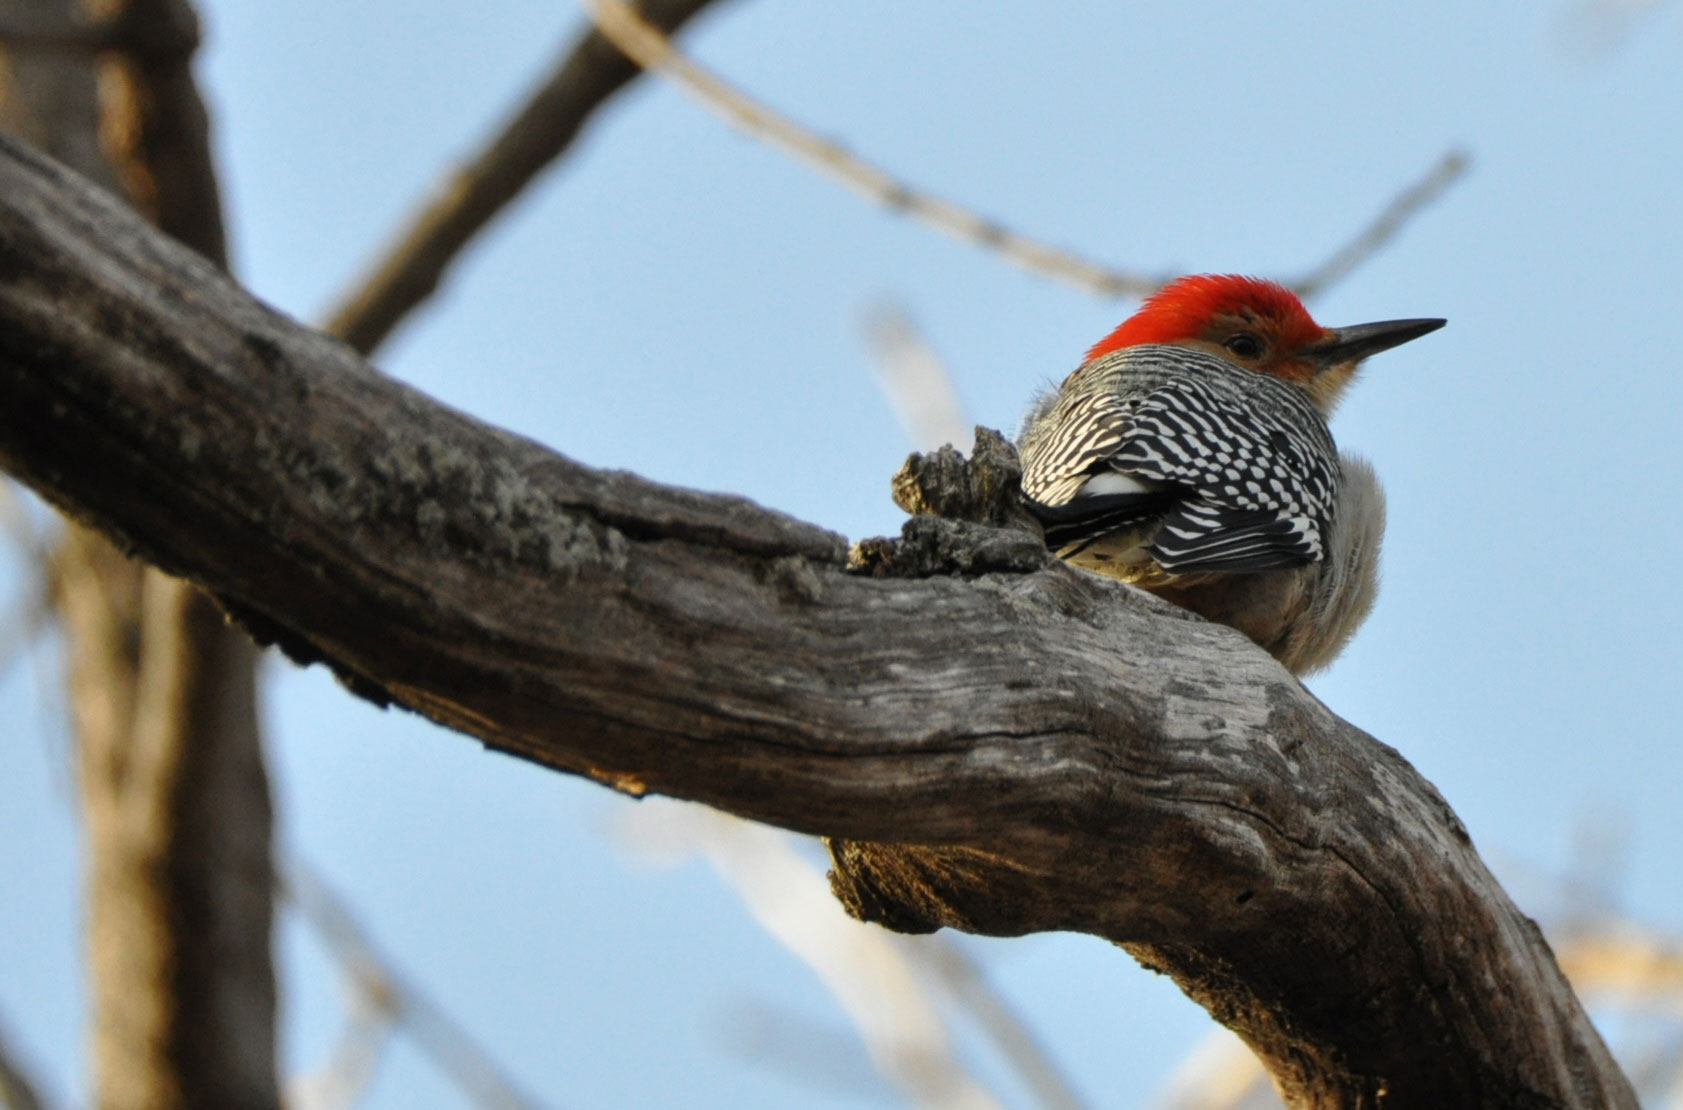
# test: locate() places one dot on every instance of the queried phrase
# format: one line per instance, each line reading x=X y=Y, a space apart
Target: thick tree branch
x=1049 y=750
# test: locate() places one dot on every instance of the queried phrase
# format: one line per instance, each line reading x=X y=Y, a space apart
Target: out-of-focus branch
x=31 y=613
x=1637 y=967
x=871 y=973
x=652 y=50
x=174 y=793
x=384 y=991
x=17 y=1090
x=1404 y=207
x=21 y=625
x=915 y=380
x=1220 y=1073
x=586 y=75
x=965 y=984
x=154 y=130
x=19 y=529
x=345 y=1078
x=154 y=127
x=1595 y=30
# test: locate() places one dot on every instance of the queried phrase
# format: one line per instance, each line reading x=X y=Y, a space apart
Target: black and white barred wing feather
x=1236 y=469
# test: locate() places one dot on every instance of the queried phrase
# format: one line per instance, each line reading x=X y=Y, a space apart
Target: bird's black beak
x=1345 y=345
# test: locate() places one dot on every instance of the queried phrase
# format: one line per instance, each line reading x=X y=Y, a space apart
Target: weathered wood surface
x=1048 y=750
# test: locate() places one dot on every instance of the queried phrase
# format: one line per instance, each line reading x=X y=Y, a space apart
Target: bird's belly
x=1265 y=606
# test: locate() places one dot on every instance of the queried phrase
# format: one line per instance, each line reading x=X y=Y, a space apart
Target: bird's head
x=1262 y=326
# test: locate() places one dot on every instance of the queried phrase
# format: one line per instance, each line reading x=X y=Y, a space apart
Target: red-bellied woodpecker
x=1190 y=456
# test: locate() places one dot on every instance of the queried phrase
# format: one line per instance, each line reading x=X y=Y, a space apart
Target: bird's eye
x=1245 y=345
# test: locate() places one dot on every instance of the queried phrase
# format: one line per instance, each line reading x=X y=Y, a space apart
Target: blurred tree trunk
x=171 y=773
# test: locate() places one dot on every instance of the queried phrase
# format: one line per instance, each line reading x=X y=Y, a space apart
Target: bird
x=1189 y=455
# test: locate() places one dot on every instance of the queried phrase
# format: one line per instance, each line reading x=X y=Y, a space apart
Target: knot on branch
x=982 y=489
x=929 y=546
x=967 y=517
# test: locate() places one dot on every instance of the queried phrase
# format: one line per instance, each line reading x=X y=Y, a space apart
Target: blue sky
x=681 y=300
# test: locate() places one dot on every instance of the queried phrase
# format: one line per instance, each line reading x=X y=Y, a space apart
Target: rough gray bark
x=1005 y=743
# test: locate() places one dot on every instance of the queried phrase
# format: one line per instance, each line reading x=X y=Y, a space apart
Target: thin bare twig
x=654 y=51
x=457 y=1054
x=643 y=42
x=588 y=72
x=1404 y=207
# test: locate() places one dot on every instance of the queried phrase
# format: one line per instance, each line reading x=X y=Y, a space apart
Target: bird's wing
x=1068 y=482
x=1224 y=462
x=1198 y=538
x=1072 y=527
x=1087 y=429
x=1253 y=469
